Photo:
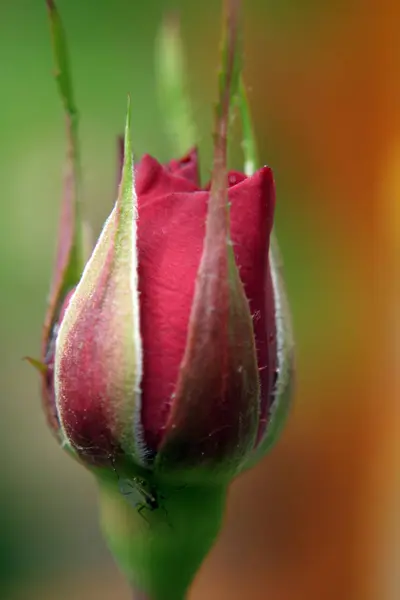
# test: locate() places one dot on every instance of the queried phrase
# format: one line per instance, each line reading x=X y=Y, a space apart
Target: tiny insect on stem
x=138 y=492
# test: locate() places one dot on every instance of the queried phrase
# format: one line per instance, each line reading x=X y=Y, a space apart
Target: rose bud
x=170 y=349
x=167 y=358
x=166 y=352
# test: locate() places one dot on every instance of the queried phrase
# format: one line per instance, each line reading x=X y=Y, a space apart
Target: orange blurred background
x=318 y=519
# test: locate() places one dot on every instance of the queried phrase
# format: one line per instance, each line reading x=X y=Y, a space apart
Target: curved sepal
x=98 y=363
x=282 y=390
x=214 y=415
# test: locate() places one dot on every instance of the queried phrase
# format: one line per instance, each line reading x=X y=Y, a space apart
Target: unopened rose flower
x=117 y=351
x=167 y=352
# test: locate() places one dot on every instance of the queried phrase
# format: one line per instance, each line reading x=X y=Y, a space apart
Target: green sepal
x=285 y=345
x=219 y=366
x=106 y=301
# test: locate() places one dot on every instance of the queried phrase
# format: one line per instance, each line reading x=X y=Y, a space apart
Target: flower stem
x=160 y=550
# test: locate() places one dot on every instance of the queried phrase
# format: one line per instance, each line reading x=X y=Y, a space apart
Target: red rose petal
x=171 y=229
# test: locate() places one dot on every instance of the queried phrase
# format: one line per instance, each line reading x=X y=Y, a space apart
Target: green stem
x=160 y=550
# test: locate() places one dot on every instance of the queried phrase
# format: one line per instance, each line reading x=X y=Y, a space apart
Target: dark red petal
x=234 y=178
x=171 y=231
x=187 y=167
x=153 y=180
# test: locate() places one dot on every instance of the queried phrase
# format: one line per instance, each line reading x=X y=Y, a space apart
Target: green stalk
x=160 y=551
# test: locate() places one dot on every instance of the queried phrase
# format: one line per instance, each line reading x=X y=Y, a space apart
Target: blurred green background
x=304 y=524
